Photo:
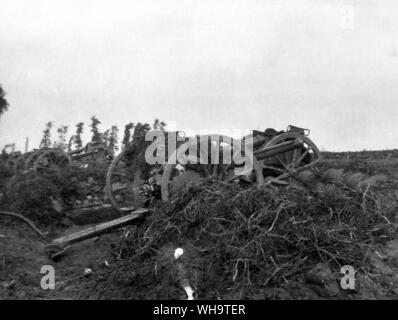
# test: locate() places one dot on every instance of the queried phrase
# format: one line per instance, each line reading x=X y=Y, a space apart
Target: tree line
x=108 y=138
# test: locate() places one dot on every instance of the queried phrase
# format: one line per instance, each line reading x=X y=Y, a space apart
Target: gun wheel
x=51 y=161
x=124 y=181
x=301 y=158
x=214 y=160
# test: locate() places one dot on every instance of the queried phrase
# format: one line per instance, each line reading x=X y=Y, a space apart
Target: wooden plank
x=101 y=228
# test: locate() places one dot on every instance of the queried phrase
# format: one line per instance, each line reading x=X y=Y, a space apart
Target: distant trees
x=109 y=138
x=158 y=125
x=127 y=134
x=46 y=140
x=78 y=136
x=96 y=137
x=3 y=101
x=105 y=136
x=113 y=139
x=61 y=143
x=140 y=129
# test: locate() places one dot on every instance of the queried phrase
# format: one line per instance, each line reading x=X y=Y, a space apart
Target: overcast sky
x=331 y=66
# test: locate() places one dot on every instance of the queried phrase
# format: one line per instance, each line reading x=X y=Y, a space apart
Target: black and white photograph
x=215 y=150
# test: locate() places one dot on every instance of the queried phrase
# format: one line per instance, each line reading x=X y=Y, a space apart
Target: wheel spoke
x=297 y=163
x=195 y=160
x=218 y=148
x=264 y=166
x=120 y=174
x=214 y=171
x=296 y=153
x=224 y=170
x=63 y=161
x=281 y=162
x=119 y=188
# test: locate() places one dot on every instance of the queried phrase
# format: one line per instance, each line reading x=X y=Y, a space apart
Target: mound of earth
x=274 y=242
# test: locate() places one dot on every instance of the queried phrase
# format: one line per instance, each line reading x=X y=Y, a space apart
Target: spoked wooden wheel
x=286 y=163
x=124 y=181
x=215 y=158
x=51 y=160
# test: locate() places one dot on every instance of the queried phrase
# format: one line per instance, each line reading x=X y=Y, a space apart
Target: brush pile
x=254 y=237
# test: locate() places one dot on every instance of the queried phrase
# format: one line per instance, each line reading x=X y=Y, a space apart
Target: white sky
x=203 y=64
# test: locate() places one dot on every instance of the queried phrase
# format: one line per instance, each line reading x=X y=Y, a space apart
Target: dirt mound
x=43 y=197
x=238 y=240
x=274 y=242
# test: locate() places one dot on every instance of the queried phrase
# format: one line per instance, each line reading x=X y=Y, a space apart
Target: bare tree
x=97 y=137
x=46 y=140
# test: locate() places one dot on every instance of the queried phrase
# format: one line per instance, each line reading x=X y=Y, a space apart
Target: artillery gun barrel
x=98 y=229
x=77 y=151
x=277 y=149
x=83 y=155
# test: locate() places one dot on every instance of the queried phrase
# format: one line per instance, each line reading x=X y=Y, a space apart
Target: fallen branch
x=29 y=222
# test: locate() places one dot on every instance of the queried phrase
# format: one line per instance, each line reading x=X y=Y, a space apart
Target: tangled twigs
x=263 y=236
x=29 y=222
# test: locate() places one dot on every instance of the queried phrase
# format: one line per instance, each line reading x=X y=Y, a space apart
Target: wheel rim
x=51 y=160
x=124 y=181
x=291 y=161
